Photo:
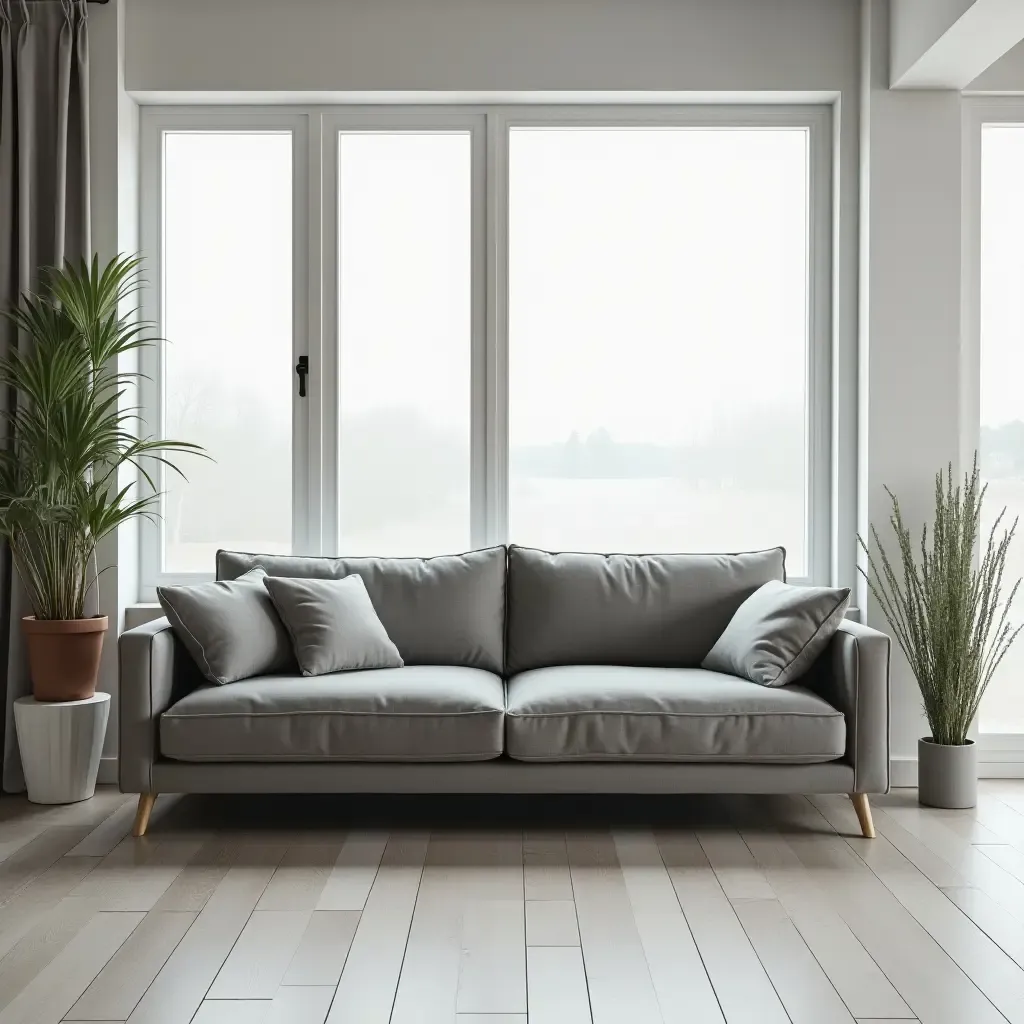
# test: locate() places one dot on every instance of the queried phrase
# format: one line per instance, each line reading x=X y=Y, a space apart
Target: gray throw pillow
x=777 y=633
x=333 y=625
x=229 y=627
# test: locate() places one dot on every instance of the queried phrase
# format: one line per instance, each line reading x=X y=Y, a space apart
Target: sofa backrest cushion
x=658 y=610
x=446 y=610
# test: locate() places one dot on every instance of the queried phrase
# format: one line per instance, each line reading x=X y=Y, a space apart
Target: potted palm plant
x=69 y=440
x=948 y=615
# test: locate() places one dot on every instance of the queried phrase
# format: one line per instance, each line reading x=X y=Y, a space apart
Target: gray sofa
x=525 y=672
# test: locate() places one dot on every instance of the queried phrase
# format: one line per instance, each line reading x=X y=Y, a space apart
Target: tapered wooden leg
x=863 y=809
x=146 y=801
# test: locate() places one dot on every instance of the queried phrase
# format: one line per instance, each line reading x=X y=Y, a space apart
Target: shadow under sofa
x=525 y=672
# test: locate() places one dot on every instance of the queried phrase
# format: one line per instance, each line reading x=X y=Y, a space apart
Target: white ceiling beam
x=947 y=44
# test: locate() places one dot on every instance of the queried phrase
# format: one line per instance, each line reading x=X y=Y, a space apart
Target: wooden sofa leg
x=145 y=808
x=863 y=809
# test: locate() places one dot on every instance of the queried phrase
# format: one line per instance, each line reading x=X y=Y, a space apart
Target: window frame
x=1000 y=754
x=156 y=122
x=315 y=273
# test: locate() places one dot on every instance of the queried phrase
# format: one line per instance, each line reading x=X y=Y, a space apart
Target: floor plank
x=136 y=874
x=118 y=988
x=33 y=858
x=557 y=986
x=107 y=834
x=803 y=987
x=926 y=978
x=864 y=989
x=991 y=970
x=257 y=964
x=41 y=944
x=296 y=1004
x=492 y=969
x=490 y=1018
x=366 y=992
x=618 y=979
x=551 y=923
x=743 y=989
x=546 y=867
x=25 y=910
x=301 y=877
x=232 y=1011
x=457 y=870
x=48 y=997
x=734 y=866
x=198 y=879
x=1002 y=928
x=323 y=949
x=182 y=983
x=684 y=991
x=354 y=870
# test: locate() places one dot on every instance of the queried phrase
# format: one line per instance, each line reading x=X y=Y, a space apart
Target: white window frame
x=156 y=122
x=1000 y=755
x=316 y=421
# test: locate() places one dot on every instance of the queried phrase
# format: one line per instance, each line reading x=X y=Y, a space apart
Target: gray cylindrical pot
x=947 y=776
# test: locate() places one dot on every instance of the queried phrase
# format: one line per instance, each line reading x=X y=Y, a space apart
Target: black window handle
x=302 y=369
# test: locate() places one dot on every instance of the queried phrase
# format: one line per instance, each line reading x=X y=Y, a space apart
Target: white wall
x=911 y=259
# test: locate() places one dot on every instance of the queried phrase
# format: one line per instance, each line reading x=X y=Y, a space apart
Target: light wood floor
x=304 y=910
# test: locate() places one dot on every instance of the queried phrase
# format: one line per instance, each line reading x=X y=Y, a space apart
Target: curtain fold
x=44 y=220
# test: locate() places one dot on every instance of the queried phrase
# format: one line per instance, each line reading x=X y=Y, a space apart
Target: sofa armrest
x=154 y=671
x=853 y=676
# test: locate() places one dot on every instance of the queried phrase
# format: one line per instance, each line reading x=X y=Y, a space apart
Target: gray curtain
x=44 y=220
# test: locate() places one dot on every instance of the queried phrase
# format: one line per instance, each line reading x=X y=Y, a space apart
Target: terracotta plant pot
x=64 y=656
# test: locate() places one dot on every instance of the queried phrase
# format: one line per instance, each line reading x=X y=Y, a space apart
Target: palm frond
x=71 y=431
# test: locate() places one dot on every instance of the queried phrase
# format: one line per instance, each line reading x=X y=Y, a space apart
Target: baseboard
x=903 y=771
x=1000 y=769
x=107 y=775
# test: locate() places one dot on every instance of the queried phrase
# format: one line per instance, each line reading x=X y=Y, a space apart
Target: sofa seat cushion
x=416 y=713
x=610 y=713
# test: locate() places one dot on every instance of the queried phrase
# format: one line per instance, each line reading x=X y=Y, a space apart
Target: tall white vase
x=61 y=744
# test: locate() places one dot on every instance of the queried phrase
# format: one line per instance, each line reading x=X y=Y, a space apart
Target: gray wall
x=464 y=45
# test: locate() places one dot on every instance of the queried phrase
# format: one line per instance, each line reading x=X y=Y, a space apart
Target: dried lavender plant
x=946 y=613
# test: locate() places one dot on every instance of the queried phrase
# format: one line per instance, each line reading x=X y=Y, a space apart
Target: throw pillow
x=776 y=634
x=229 y=627
x=333 y=625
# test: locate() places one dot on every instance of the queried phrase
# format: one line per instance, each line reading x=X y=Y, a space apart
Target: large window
x=227 y=288
x=404 y=313
x=1002 y=369
x=578 y=329
x=658 y=338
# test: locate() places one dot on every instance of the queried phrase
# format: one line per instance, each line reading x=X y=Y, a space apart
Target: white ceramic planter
x=60 y=746
x=947 y=776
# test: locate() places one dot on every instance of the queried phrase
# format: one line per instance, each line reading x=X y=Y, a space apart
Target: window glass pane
x=1002 y=402
x=228 y=361
x=658 y=296
x=404 y=348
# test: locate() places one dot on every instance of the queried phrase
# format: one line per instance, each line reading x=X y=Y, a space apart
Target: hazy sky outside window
x=404 y=301
x=1002 y=370
x=658 y=335
x=228 y=362
x=658 y=338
